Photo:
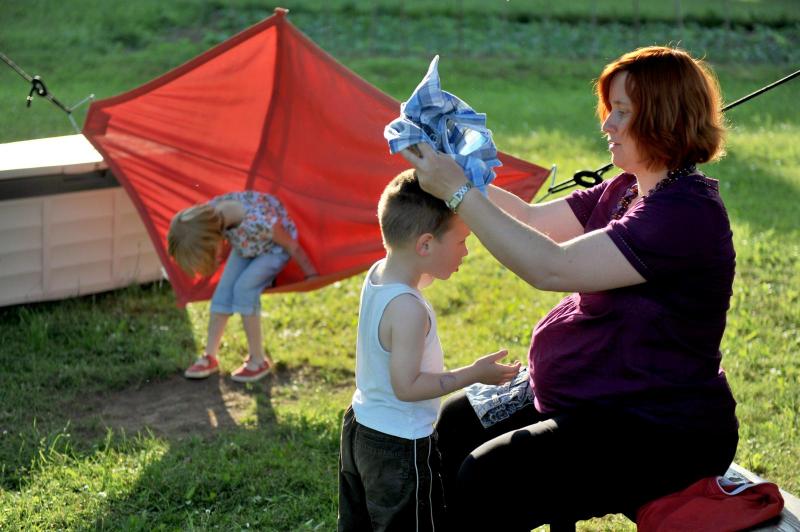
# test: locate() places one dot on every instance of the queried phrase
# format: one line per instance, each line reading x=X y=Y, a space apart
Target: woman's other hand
x=439 y=175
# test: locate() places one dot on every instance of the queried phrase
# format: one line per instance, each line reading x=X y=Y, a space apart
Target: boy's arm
x=282 y=237
x=408 y=321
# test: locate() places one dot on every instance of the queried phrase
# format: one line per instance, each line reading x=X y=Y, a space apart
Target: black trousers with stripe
x=388 y=483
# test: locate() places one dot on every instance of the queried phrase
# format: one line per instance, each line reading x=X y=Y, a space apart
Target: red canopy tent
x=271 y=111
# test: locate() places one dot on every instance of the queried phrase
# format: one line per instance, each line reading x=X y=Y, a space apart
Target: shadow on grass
x=756 y=194
x=58 y=356
x=247 y=469
x=91 y=399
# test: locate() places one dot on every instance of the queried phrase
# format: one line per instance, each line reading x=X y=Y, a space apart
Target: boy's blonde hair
x=194 y=237
x=405 y=211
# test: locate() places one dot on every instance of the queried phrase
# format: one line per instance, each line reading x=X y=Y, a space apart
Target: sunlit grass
x=277 y=468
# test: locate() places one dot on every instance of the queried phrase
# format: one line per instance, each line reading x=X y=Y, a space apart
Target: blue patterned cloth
x=449 y=125
x=496 y=403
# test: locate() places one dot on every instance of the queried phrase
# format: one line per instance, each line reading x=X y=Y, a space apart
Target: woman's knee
x=471 y=476
x=481 y=486
x=456 y=413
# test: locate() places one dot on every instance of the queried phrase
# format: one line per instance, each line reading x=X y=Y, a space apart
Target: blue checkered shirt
x=449 y=125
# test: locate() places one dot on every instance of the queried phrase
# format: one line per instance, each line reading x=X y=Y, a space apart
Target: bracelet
x=456 y=199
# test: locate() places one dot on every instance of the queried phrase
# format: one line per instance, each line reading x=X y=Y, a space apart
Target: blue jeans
x=239 y=289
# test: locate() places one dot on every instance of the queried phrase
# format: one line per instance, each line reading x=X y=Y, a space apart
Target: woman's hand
x=439 y=175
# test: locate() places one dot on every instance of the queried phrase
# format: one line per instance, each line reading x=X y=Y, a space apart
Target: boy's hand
x=490 y=371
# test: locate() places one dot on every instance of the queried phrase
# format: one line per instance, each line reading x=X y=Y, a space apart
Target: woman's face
x=623 y=148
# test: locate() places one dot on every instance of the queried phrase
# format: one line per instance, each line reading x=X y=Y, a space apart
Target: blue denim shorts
x=493 y=404
x=243 y=279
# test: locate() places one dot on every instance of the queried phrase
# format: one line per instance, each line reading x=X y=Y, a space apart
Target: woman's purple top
x=651 y=349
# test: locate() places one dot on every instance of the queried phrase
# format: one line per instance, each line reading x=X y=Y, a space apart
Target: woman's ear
x=423 y=244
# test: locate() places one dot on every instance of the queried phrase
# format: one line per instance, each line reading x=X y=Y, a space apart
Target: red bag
x=713 y=504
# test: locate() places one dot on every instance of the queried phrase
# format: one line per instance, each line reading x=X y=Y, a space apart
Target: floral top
x=253 y=236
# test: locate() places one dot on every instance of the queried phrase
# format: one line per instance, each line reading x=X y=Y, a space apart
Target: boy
x=389 y=463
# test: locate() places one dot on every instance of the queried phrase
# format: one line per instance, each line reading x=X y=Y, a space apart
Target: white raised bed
x=67 y=228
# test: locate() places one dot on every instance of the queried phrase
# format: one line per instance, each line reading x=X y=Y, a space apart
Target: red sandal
x=202 y=367
x=245 y=374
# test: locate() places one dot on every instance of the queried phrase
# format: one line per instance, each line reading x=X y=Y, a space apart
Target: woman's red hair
x=677 y=109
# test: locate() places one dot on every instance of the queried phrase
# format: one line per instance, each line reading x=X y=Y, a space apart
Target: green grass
x=115 y=13
x=96 y=49
x=276 y=470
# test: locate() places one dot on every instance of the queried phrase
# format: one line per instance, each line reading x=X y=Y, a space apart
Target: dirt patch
x=177 y=407
x=173 y=408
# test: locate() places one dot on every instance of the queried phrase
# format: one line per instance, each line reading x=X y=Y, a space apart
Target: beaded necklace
x=633 y=190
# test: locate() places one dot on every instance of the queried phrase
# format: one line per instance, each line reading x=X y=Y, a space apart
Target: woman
x=626 y=400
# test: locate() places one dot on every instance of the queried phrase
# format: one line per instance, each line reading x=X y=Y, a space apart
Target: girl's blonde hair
x=194 y=237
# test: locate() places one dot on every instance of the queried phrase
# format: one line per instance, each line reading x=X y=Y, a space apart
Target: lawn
x=97 y=429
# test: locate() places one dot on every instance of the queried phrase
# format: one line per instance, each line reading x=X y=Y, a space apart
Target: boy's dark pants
x=379 y=486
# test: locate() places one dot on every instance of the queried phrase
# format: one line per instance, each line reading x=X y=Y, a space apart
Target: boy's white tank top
x=374 y=402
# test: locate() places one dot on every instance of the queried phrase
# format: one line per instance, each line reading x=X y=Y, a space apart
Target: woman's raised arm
x=586 y=263
x=554 y=218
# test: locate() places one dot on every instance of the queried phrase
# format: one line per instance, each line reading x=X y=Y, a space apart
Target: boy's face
x=449 y=250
